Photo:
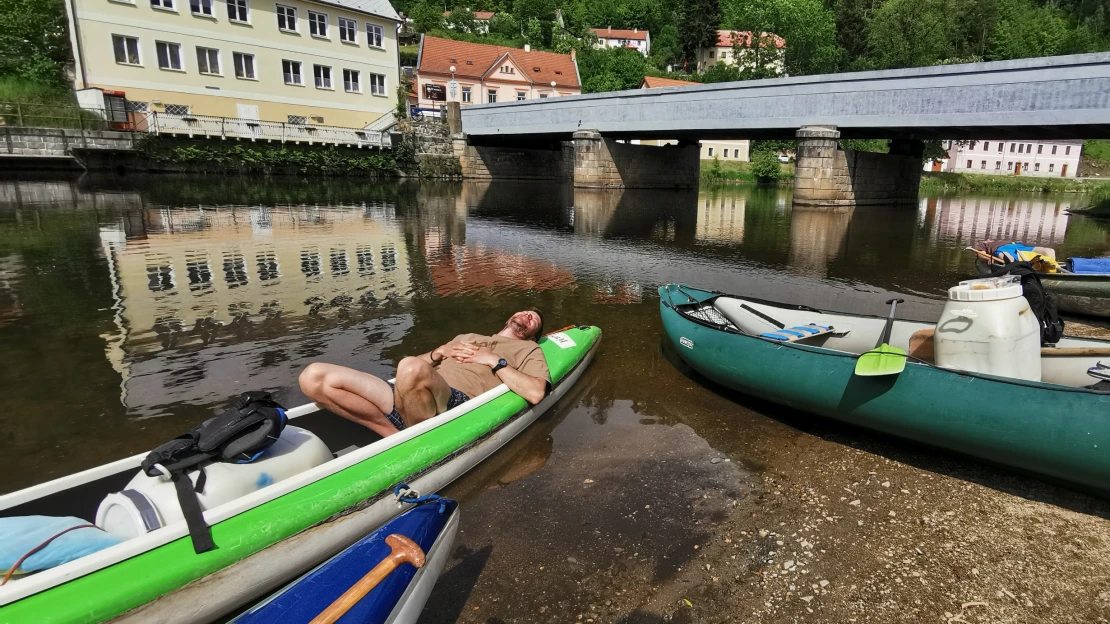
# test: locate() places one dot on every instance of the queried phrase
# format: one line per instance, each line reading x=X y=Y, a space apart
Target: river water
x=132 y=309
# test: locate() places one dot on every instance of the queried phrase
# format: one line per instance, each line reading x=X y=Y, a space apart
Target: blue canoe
x=397 y=599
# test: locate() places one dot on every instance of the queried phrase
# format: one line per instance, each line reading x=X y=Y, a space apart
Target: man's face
x=525 y=323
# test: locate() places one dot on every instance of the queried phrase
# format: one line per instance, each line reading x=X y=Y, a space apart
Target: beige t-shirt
x=474 y=379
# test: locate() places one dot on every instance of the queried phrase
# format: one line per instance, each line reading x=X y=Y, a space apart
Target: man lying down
x=436 y=381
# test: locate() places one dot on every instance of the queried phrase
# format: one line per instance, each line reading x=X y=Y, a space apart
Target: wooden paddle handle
x=403 y=550
x=1074 y=351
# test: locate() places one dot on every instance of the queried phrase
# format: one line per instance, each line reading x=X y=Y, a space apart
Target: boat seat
x=800 y=332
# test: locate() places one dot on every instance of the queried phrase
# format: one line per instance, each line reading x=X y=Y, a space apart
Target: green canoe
x=280 y=531
x=1080 y=293
x=1054 y=428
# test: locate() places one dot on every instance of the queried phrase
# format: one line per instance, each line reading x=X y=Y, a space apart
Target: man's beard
x=518 y=327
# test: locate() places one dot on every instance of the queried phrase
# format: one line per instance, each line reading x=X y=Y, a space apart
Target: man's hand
x=470 y=353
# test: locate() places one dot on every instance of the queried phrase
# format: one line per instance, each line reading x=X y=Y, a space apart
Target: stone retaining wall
x=60 y=142
x=825 y=175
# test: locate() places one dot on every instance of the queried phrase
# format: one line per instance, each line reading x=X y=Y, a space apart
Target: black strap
x=194 y=517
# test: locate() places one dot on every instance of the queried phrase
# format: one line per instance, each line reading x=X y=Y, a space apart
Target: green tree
x=533 y=34
x=665 y=46
x=1027 y=30
x=462 y=20
x=912 y=33
x=766 y=166
x=427 y=16
x=610 y=69
x=697 y=27
x=807 y=26
x=853 y=19
x=504 y=25
x=34 y=40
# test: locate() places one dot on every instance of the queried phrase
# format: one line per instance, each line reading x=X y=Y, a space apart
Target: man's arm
x=531 y=389
x=440 y=353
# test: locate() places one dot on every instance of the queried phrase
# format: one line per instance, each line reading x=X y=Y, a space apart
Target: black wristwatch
x=500 y=364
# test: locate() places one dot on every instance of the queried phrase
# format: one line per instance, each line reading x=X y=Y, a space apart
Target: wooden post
x=19 y=113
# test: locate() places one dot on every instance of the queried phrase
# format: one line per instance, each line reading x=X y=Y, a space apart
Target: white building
x=481 y=21
x=622 y=38
x=1024 y=158
x=737 y=47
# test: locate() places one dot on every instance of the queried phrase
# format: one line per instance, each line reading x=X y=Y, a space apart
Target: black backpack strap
x=200 y=533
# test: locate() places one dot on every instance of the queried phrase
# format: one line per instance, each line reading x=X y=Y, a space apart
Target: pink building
x=475 y=73
x=1058 y=159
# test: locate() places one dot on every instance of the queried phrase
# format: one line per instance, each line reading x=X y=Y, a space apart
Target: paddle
x=403 y=550
x=883 y=359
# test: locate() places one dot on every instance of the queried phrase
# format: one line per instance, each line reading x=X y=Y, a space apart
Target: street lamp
x=554 y=93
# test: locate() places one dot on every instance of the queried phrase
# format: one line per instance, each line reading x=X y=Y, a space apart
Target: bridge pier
x=600 y=162
x=825 y=175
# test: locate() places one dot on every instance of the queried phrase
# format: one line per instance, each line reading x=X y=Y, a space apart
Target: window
x=201 y=7
x=1040 y=149
x=969 y=164
x=208 y=60
x=287 y=18
x=322 y=74
x=726 y=152
x=373 y=35
x=983 y=164
x=1053 y=149
x=998 y=165
x=127 y=49
x=178 y=109
x=1028 y=148
x=711 y=54
x=1021 y=149
x=1036 y=166
x=1012 y=146
x=244 y=65
x=1000 y=147
x=138 y=107
x=162 y=4
x=491 y=96
x=1026 y=166
x=169 y=55
x=1010 y=166
x=521 y=95
x=299 y=120
x=1051 y=166
x=1067 y=150
x=237 y=10
x=292 y=72
x=543 y=96
x=986 y=146
x=377 y=84
x=466 y=95
x=317 y=24
x=348 y=30
x=711 y=151
x=351 y=83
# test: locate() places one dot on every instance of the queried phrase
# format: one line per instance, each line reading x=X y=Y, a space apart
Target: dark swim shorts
x=458 y=397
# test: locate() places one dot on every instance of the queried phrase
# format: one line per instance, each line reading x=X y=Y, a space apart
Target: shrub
x=766 y=166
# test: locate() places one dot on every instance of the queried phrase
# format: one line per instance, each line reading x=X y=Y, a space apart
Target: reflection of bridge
x=1044 y=98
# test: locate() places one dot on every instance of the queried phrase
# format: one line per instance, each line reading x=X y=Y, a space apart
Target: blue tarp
x=20 y=534
x=1090 y=265
x=1009 y=252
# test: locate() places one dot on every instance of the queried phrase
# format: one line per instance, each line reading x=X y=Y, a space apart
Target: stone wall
x=60 y=142
x=601 y=162
x=486 y=162
x=825 y=175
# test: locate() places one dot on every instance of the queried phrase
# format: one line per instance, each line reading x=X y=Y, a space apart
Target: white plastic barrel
x=148 y=503
x=988 y=327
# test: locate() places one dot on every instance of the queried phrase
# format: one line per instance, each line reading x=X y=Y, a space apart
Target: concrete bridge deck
x=1063 y=97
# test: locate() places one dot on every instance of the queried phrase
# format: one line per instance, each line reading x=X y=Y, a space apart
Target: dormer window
x=470 y=62
x=507 y=69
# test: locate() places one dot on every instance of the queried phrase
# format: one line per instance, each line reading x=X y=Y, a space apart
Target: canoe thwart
x=799 y=332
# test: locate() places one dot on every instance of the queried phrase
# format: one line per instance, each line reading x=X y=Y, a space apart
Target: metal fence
x=31 y=115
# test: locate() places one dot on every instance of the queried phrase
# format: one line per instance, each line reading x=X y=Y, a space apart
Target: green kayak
x=280 y=531
x=1055 y=428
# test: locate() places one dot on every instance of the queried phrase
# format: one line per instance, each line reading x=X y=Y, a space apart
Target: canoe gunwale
x=846 y=354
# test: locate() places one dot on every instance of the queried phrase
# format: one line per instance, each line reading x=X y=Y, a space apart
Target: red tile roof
x=474 y=60
x=725 y=38
x=478 y=15
x=652 y=82
x=618 y=33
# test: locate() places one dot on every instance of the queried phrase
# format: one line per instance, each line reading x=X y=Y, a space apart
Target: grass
x=1097 y=149
x=34 y=104
x=947 y=181
x=737 y=171
x=16 y=89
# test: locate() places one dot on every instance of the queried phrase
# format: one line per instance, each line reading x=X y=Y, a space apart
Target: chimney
x=527 y=48
x=573 y=54
x=635 y=30
x=610 y=28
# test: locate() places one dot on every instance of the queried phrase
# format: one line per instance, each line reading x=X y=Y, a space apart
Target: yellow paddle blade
x=882 y=360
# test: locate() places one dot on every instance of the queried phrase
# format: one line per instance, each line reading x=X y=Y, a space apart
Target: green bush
x=223 y=156
x=766 y=166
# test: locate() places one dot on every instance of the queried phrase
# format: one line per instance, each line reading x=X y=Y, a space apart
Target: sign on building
x=436 y=93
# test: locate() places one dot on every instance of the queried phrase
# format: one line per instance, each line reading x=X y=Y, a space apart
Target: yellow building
x=330 y=63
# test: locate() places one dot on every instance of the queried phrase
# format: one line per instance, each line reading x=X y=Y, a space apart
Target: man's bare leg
x=421 y=391
x=352 y=394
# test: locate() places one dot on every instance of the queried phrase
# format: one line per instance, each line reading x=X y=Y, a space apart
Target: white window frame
x=347 y=25
x=286 y=12
x=521 y=96
x=202 y=5
x=377 y=84
x=347 y=74
x=1054 y=149
x=162 y=5
x=1036 y=166
x=287 y=75
x=205 y=68
x=467 y=97
x=491 y=96
x=245 y=5
x=1051 y=166
x=1067 y=150
x=318 y=77
x=138 y=50
x=375 y=36
x=175 y=46
x=236 y=64
x=314 y=24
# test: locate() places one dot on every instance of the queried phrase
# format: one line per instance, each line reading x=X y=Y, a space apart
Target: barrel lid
x=987 y=289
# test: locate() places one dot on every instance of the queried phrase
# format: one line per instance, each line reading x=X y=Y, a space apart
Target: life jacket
x=239 y=435
x=1041 y=301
